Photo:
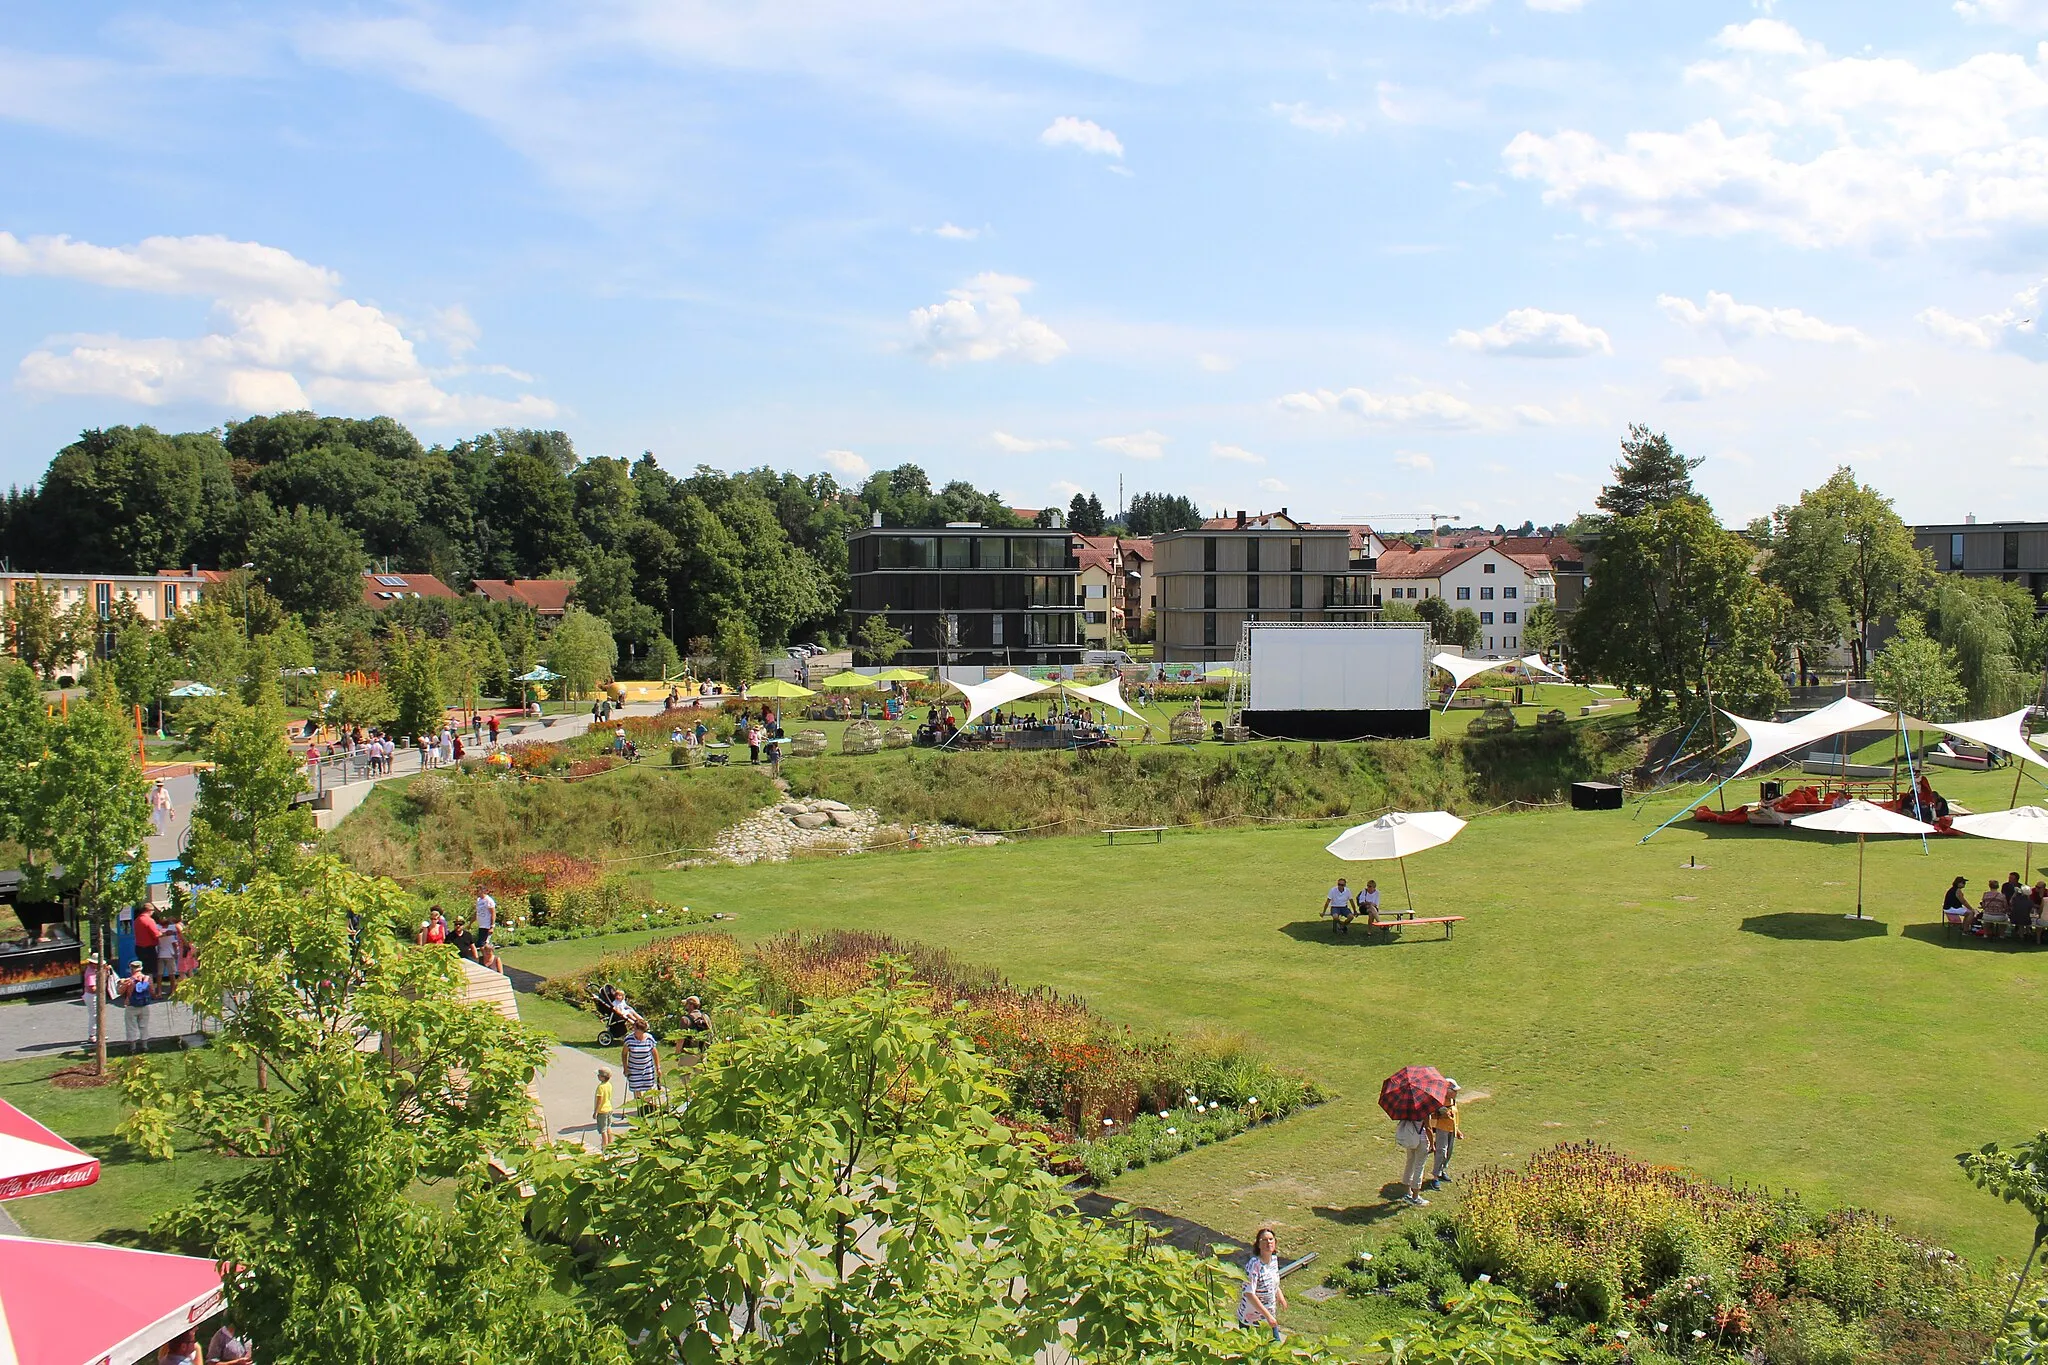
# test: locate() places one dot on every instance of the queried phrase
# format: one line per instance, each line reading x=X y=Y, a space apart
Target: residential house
x=1100 y=585
x=1140 y=588
x=155 y=597
x=1498 y=586
x=549 y=597
x=1230 y=570
x=380 y=589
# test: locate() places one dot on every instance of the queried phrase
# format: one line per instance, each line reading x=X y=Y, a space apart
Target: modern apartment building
x=969 y=594
x=156 y=597
x=1268 y=567
x=2016 y=551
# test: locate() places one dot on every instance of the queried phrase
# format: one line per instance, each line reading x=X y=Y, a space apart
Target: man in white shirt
x=486 y=917
x=1337 y=905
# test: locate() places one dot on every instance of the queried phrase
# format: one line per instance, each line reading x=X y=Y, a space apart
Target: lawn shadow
x=1319 y=931
x=1941 y=936
x=1366 y=1215
x=523 y=980
x=1814 y=927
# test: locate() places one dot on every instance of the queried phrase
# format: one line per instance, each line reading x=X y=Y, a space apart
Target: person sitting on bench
x=1337 y=905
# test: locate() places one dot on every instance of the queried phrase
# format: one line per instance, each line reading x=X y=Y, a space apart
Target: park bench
x=1447 y=921
x=1158 y=832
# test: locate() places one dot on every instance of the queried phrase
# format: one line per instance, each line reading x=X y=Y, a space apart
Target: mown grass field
x=1723 y=1017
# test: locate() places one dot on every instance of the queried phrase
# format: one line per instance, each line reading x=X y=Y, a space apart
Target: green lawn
x=1722 y=1017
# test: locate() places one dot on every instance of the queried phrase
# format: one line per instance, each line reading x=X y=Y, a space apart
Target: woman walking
x=1414 y=1139
x=1261 y=1302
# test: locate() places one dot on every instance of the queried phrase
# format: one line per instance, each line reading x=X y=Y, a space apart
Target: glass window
x=1251 y=554
x=1294 y=585
x=1209 y=554
x=1208 y=627
x=1209 y=591
x=1464 y=594
x=1510 y=592
x=1487 y=568
x=1485 y=618
x=1486 y=594
x=1507 y=618
x=953 y=551
x=1294 y=554
x=949 y=591
x=1955 y=550
x=1251 y=586
x=988 y=553
x=170 y=598
x=995 y=626
x=103 y=599
x=2012 y=549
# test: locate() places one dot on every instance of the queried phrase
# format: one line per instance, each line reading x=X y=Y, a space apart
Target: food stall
x=43 y=949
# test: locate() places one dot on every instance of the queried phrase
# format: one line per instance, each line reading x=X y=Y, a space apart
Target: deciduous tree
x=244 y=822
x=32 y=629
x=583 y=650
x=1844 y=559
x=311 y=563
x=737 y=650
x=1919 y=675
x=879 y=640
x=412 y=675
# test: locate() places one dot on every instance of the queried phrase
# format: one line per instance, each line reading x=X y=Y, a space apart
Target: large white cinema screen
x=1339 y=667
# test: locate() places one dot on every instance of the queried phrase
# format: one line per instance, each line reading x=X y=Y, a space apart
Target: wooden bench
x=1158 y=832
x=1447 y=921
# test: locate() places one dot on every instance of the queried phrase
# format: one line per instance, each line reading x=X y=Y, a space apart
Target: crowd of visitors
x=2008 y=907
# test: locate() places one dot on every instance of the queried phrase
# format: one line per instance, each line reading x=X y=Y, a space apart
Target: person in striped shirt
x=641 y=1061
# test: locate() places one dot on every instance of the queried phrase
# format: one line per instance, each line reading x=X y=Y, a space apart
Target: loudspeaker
x=1596 y=796
x=1768 y=792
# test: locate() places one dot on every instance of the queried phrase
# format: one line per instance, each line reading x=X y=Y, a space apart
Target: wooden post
x=141 y=750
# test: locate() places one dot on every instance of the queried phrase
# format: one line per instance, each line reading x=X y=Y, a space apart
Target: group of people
x=228 y=1346
x=640 y=1060
x=473 y=942
x=2008 y=906
x=1343 y=906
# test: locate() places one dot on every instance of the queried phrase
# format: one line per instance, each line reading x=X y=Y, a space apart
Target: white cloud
x=1025 y=445
x=1220 y=451
x=1766 y=37
x=210 y=267
x=1430 y=9
x=1532 y=415
x=984 y=319
x=1272 y=486
x=1215 y=364
x=1138 y=445
x=1742 y=321
x=1091 y=137
x=1556 y=6
x=1313 y=120
x=280 y=339
x=1414 y=459
x=2020 y=318
x=1821 y=151
x=953 y=232
x=1695 y=378
x=2023 y=14
x=845 y=462
x=1065 y=489
x=1429 y=407
x=1534 y=333
x=454 y=328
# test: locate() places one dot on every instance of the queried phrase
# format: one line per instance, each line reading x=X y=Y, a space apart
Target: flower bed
x=1615 y=1251
x=547 y=896
x=1113 y=1100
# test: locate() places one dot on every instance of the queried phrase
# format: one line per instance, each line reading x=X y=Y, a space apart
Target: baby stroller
x=615 y=1023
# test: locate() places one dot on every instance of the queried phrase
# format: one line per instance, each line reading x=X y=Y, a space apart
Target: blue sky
x=1361 y=260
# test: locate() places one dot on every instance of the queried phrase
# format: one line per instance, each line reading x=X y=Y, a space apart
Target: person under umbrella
x=1396 y=835
x=1411 y=1097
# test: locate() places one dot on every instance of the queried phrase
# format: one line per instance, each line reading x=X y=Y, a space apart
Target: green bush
x=1417 y=1266
x=1802 y=1331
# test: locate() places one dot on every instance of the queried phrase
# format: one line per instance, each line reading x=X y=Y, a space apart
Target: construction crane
x=1374 y=519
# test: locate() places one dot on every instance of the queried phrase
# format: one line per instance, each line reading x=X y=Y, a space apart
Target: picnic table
x=1158 y=832
x=1392 y=923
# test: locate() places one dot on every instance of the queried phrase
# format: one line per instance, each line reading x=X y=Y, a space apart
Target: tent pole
x=2019 y=767
x=1681 y=814
x=1914 y=778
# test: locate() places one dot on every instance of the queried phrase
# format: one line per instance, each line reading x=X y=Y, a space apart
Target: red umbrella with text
x=34 y=1160
x=1414 y=1092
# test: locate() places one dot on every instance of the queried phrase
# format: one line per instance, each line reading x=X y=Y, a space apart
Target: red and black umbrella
x=1414 y=1092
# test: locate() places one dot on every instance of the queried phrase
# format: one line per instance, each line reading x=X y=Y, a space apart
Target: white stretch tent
x=1109 y=693
x=1462 y=671
x=2002 y=733
x=1769 y=738
x=1000 y=690
x=1534 y=662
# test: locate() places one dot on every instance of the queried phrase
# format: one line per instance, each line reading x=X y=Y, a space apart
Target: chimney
x=1970 y=520
x=1240 y=518
x=1283 y=511
x=876 y=520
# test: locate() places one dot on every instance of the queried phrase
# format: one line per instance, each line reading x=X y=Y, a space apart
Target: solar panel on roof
x=390 y=580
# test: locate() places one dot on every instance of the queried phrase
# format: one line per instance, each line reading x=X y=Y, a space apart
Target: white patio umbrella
x=2021 y=825
x=1396 y=835
x=1862 y=818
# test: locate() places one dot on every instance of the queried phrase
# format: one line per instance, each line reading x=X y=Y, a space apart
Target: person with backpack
x=1413 y=1138
x=136 y=992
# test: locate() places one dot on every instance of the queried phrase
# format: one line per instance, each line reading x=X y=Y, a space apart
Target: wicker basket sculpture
x=896 y=737
x=1188 y=727
x=861 y=737
x=807 y=744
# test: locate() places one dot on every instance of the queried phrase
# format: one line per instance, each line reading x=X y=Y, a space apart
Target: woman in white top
x=1262 y=1301
x=1369 y=902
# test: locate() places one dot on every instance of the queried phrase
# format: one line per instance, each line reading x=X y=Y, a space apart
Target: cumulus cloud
x=1742 y=321
x=1220 y=451
x=1534 y=333
x=845 y=462
x=281 y=338
x=2024 y=14
x=1138 y=445
x=953 y=232
x=1313 y=120
x=1025 y=445
x=984 y=319
x=1427 y=408
x=1820 y=151
x=1272 y=486
x=2006 y=327
x=1414 y=459
x=1697 y=378
x=1089 y=136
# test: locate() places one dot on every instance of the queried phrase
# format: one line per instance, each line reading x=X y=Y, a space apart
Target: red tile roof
x=548 y=596
x=1404 y=563
x=1139 y=547
x=382 y=589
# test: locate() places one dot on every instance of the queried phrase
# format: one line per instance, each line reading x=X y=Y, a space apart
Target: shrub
x=1802 y=1331
x=1417 y=1266
x=657 y=977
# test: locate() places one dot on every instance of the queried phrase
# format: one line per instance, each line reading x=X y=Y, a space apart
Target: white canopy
x=2002 y=733
x=2020 y=825
x=1862 y=817
x=1396 y=835
x=1769 y=738
x=1462 y=669
x=1109 y=693
x=1000 y=690
x=1534 y=663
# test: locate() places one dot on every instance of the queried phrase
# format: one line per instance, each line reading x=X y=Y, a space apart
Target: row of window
x=1251 y=554
x=1209 y=626
x=1464 y=594
x=959 y=552
x=2009 y=550
x=1507 y=618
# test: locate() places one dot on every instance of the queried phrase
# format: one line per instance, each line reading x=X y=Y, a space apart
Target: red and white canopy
x=34 y=1160
x=83 y=1303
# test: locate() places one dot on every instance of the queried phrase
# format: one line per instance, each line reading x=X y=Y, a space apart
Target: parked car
x=1102 y=658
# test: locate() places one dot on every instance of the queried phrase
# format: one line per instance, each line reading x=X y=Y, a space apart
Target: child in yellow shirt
x=601 y=1108
x=1444 y=1134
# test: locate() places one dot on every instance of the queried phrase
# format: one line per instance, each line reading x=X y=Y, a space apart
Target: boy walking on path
x=601 y=1108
